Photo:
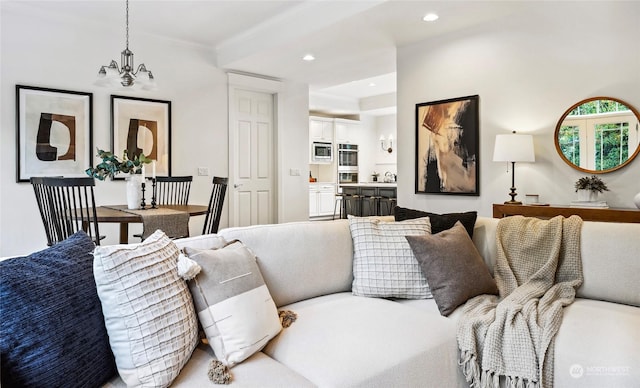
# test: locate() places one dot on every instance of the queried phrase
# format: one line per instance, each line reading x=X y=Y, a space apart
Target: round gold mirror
x=598 y=135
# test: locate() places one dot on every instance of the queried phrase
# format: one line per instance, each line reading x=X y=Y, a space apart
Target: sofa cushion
x=597 y=346
x=234 y=305
x=383 y=263
x=259 y=370
x=342 y=340
x=147 y=308
x=453 y=267
x=610 y=253
x=53 y=332
x=439 y=222
x=291 y=256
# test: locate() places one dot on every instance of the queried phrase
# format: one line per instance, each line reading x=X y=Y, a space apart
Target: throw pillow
x=233 y=303
x=147 y=308
x=453 y=267
x=439 y=222
x=383 y=264
x=53 y=332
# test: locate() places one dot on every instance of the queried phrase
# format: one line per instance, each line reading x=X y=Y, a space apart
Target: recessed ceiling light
x=430 y=17
x=372 y=84
x=309 y=57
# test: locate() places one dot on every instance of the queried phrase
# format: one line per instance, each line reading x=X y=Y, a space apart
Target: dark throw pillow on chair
x=439 y=222
x=53 y=332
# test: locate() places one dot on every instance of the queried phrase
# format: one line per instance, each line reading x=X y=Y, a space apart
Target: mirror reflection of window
x=569 y=139
x=611 y=145
x=598 y=135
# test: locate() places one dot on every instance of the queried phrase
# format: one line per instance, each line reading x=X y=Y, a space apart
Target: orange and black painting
x=447 y=137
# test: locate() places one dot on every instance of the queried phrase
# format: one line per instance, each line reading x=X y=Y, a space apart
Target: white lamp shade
x=514 y=148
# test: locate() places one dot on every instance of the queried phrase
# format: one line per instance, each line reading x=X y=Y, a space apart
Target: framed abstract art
x=141 y=125
x=447 y=146
x=54 y=132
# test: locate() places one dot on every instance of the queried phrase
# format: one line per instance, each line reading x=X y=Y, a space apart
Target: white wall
x=527 y=71
x=53 y=52
x=385 y=161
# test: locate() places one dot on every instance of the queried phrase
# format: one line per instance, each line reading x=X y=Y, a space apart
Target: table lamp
x=513 y=148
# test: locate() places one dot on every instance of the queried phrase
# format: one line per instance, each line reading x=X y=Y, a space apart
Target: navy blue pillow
x=52 y=331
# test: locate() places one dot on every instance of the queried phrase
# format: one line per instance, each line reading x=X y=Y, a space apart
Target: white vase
x=636 y=200
x=587 y=195
x=134 y=191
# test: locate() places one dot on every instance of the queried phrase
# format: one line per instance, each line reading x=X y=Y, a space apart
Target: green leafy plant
x=111 y=165
x=592 y=183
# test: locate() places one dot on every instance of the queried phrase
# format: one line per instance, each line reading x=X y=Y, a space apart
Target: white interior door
x=251 y=158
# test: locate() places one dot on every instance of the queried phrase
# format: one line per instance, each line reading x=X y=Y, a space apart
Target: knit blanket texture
x=511 y=335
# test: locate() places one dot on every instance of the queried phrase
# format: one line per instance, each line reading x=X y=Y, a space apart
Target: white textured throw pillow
x=233 y=303
x=148 y=310
x=383 y=263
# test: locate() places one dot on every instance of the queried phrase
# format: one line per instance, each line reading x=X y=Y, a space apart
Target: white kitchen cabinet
x=326 y=199
x=320 y=129
x=313 y=202
x=346 y=131
x=321 y=199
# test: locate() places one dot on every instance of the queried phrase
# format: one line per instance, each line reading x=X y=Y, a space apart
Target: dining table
x=110 y=214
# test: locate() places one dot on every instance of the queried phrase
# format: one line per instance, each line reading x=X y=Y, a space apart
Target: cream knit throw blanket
x=537 y=270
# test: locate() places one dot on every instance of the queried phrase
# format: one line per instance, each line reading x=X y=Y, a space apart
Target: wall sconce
x=386 y=145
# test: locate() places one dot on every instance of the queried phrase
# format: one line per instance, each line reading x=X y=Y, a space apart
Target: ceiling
x=354 y=42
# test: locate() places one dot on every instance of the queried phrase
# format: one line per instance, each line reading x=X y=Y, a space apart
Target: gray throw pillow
x=453 y=267
x=233 y=303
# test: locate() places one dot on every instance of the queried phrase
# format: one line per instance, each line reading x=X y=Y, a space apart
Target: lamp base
x=512 y=202
x=513 y=194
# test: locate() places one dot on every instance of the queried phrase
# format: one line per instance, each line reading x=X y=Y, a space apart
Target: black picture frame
x=130 y=115
x=448 y=146
x=54 y=132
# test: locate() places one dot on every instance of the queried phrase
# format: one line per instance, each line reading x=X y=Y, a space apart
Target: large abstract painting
x=54 y=131
x=447 y=136
x=142 y=126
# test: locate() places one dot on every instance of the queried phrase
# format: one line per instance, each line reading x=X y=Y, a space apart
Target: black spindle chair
x=212 y=220
x=66 y=206
x=173 y=190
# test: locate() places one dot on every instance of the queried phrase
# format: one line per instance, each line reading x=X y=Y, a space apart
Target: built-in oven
x=322 y=152
x=347 y=163
x=347 y=177
x=348 y=157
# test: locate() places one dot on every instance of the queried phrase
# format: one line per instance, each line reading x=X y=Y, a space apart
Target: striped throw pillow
x=148 y=310
x=233 y=303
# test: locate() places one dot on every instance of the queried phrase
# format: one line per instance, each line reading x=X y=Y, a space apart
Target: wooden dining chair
x=214 y=212
x=66 y=206
x=173 y=190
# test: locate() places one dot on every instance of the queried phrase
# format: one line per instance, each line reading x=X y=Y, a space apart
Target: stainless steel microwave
x=322 y=152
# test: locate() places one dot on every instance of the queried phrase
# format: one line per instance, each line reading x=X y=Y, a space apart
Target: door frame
x=262 y=85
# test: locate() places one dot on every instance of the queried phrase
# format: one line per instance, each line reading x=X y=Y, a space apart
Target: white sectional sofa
x=342 y=340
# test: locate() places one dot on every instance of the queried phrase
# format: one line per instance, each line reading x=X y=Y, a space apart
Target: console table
x=587 y=214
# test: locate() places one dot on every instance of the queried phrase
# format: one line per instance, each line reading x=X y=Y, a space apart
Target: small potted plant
x=374 y=176
x=111 y=166
x=588 y=188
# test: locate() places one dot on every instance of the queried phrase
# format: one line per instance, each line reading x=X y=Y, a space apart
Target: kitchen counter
x=370 y=184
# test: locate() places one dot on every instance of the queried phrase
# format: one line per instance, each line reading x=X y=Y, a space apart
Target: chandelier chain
x=127 y=22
